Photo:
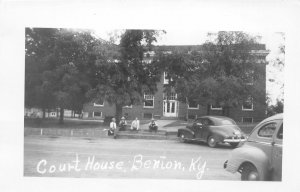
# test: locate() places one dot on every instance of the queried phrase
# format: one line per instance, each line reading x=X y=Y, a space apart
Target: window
x=97 y=114
x=206 y=121
x=170 y=96
x=147 y=115
x=149 y=100
x=99 y=103
x=127 y=106
x=267 y=130
x=280 y=132
x=247 y=119
x=166 y=78
x=248 y=104
x=249 y=77
x=193 y=105
x=216 y=107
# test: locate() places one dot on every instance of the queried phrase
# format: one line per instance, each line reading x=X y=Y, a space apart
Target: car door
x=276 y=161
x=197 y=126
x=262 y=138
x=205 y=128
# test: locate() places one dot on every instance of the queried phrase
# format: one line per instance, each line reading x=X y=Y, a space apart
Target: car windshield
x=222 y=121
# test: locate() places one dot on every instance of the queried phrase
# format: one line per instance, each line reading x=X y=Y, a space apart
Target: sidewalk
x=161 y=125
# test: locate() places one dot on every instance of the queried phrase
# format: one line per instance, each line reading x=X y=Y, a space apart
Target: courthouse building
x=162 y=106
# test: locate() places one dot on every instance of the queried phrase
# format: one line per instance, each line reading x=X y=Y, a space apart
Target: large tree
x=61 y=61
x=223 y=72
x=123 y=77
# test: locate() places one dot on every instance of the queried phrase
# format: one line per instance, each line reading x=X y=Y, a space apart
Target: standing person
x=135 y=125
x=113 y=128
x=122 y=124
x=153 y=126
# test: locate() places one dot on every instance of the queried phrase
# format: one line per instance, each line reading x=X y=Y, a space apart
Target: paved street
x=123 y=158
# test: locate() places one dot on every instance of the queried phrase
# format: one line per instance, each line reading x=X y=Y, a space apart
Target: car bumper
x=234 y=140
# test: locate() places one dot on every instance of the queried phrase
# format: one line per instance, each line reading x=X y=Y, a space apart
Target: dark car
x=213 y=130
x=260 y=157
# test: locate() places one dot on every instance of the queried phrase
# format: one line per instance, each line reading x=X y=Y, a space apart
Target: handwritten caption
x=138 y=163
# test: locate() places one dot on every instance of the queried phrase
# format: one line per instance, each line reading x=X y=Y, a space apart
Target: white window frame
x=130 y=106
x=166 y=81
x=148 y=95
x=97 y=112
x=215 y=108
x=165 y=97
x=247 y=117
x=193 y=107
x=252 y=109
x=99 y=105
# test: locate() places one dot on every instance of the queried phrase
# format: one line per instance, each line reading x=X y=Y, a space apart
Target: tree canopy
x=58 y=67
x=123 y=79
x=224 y=71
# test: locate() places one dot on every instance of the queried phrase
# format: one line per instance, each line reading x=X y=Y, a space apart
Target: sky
x=195 y=37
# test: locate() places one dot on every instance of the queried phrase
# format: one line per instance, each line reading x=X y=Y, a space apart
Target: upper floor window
x=248 y=104
x=249 y=77
x=166 y=78
x=148 y=100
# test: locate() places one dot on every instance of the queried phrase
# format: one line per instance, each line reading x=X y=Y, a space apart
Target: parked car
x=260 y=157
x=213 y=130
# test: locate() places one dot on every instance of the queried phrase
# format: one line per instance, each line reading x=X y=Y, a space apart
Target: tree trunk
x=61 y=115
x=118 y=113
x=44 y=113
x=208 y=109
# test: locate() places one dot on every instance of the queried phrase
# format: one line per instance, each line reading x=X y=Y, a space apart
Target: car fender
x=218 y=134
x=252 y=155
x=187 y=132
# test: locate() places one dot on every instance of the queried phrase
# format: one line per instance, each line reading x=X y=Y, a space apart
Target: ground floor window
x=148 y=100
x=193 y=105
x=97 y=114
x=248 y=104
x=247 y=119
x=99 y=103
x=147 y=115
x=215 y=107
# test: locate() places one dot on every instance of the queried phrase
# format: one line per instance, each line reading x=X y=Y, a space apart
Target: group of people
x=135 y=126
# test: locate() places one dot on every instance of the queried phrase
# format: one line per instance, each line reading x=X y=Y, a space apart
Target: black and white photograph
x=130 y=106
x=149 y=96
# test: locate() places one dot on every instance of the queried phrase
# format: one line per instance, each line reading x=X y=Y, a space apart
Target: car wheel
x=211 y=141
x=249 y=173
x=234 y=145
x=182 y=138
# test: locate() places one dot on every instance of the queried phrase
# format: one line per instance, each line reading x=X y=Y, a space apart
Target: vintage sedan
x=213 y=130
x=260 y=157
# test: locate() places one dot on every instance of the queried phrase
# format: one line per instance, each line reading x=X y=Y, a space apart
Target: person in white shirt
x=135 y=125
x=113 y=128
